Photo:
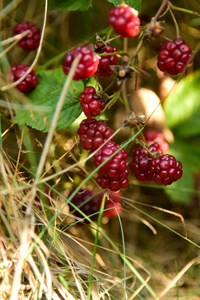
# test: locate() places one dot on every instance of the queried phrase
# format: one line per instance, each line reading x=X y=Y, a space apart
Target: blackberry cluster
x=165 y=169
x=173 y=56
x=140 y=161
x=124 y=20
x=93 y=134
x=29 y=82
x=114 y=174
x=162 y=168
x=32 y=40
x=91 y=102
x=87 y=65
x=104 y=69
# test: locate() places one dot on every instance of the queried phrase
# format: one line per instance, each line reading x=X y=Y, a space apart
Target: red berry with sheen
x=124 y=20
x=32 y=40
x=114 y=174
x=29 y=82
x=165 y=169
x=141 y=161
x=105 y=62
x=93 y=133
x=153 y=136
x=91 y=102
x=173 y=56
x=112 y=206
x=87 y=65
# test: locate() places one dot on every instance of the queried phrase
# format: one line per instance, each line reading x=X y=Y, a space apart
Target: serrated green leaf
x=46 y=96
x=182 y=106
x=136 y=4
x=188 y=154
x=69 y=4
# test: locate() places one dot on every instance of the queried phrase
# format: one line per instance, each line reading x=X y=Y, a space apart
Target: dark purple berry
x=29 y=82
x=89 y=207
x=32 y=40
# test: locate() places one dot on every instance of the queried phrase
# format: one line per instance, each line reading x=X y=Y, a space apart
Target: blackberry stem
x=145 y=147
x=175 y=23
x=165 y=3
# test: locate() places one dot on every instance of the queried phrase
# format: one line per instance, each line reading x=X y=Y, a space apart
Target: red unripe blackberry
x=165 y=169
x=141 y=161
x=87 y=65
x=91 y=102
x=105 y=62
x=113 y=175
x=152 y=136
x=124 y=20
x=32 y=40
x=93 y=134
x=89 y=207
x=29 y=82
x=173 y=56
x=112 y=206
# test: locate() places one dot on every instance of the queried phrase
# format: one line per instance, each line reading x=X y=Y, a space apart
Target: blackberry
x=141 y=161
x=104 y=69
x=165 y=169
x=32 y=40
x=89 y=207
x=173 y=56
x=113 y=175
x=91 y=102
x=93 y=133
x=29 y=82
x=124 y=20
x=87 y=65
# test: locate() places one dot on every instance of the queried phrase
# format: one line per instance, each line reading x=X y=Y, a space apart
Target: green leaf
x=136 y=4
x=188 y=154
x=44 y=99
x=182 y=106
x=69 y=4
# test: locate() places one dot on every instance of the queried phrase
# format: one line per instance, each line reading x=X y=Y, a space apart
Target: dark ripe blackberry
x=105 y=62
x=114 y=174
x=141 y=161
x=93 y=133
x=29 y=82
x=32 y=40
x=173 y=56
x=87 y=65
x=124 y=20
x=91 y=102
x=88 y=208
x=165 y=169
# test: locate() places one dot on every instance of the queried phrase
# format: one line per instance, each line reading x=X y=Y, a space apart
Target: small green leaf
x=136 y=4
x=44 y=99
x=69 y=4
x=182 y=106
x=188 y=154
